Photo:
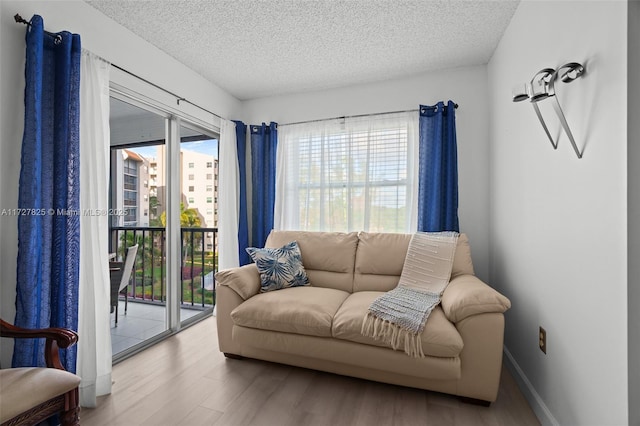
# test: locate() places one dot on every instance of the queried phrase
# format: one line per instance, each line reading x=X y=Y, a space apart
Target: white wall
x=633 y=114
x=106 y=39
x=465 y=86
x=559 y=224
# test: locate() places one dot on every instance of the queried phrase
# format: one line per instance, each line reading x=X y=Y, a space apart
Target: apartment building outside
x=199 y=183
x=131 y=190
x=139 y=189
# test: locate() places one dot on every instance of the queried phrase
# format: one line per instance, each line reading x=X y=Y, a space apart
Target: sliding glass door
x=137 y=202
x=163 y=196
x=198 y=221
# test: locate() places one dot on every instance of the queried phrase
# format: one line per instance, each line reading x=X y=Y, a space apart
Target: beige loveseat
x=318 y=326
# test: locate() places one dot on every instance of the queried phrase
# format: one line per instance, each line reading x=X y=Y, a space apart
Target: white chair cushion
x=24 y=388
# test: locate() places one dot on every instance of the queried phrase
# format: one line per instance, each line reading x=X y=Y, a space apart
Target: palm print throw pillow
x=279 y=267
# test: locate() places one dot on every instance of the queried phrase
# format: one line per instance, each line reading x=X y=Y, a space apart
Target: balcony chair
x=120 y=277
x=29 y=395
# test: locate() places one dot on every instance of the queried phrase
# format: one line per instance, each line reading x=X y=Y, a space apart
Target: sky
x=208 y=146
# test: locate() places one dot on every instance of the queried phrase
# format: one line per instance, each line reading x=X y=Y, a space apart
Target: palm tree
x=153 y=210
x=189 y=218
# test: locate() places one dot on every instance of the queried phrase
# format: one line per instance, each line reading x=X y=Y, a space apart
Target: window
x=131 y=214
x=130 y=198
x=209 y=164
x=191 y=189
x=191 y=177
x=209 y=176
x=191 y=200
x=209 y=199
x=191 y=165
x=130 y=167
x=209 y=188
x=349 y=175
x=130 y=182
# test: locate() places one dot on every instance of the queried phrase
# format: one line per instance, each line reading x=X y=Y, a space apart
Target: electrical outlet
x=542 y=340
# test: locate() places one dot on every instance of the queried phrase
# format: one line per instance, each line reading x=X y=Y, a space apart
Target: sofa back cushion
x=380 y=258
x=379 y=261
x=462 y=263
x=328 y=257
x=359 y=261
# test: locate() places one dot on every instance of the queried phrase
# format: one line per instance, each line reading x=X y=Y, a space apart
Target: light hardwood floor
x=185 y=380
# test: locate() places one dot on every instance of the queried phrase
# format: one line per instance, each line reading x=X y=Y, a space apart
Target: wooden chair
x=29 y=395
x=120 y=277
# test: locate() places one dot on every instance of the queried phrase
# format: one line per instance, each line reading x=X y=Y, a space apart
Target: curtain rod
x=353 y=116
x=178 y=97
x=58 y=38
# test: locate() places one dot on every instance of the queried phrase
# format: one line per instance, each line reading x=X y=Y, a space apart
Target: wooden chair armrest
x=55 y=338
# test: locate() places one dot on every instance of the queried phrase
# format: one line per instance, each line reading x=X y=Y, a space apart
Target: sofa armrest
x=467 y=295
x=244 y=280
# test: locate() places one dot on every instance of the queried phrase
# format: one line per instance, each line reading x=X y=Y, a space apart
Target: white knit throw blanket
x=398 y=317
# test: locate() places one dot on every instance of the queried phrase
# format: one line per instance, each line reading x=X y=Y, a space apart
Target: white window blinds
x=348 y=175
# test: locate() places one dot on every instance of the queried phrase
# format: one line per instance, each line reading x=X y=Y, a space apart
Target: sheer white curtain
x=94 y=345
x=228 y=197
x=348 y=174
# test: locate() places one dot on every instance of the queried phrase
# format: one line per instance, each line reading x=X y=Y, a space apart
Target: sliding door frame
x=151 y=99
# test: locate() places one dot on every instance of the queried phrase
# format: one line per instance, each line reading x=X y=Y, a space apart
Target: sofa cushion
x=301 y=310
x=328 y=257
x=439 y=338
x=379 y=261
x=462 y=263
x=380 y=258
x=279 y=267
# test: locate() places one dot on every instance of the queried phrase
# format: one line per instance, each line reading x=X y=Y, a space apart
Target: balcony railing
x=199 y=262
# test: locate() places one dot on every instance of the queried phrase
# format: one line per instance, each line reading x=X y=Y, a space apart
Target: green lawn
x=153 y=288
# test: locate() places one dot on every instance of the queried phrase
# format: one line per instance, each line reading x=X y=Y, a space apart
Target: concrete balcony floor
x=142 y=321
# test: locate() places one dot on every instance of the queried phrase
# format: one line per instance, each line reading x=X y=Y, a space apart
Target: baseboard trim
x=535 y=401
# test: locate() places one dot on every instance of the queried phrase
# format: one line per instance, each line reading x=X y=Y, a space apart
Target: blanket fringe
x=392 y=334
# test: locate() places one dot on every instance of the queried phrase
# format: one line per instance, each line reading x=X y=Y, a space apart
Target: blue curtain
x=243 y=225
x=438 y=171
x=48 y=239
x=264 y=140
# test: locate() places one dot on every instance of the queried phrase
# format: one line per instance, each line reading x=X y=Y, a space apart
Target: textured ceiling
x=257 y=48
